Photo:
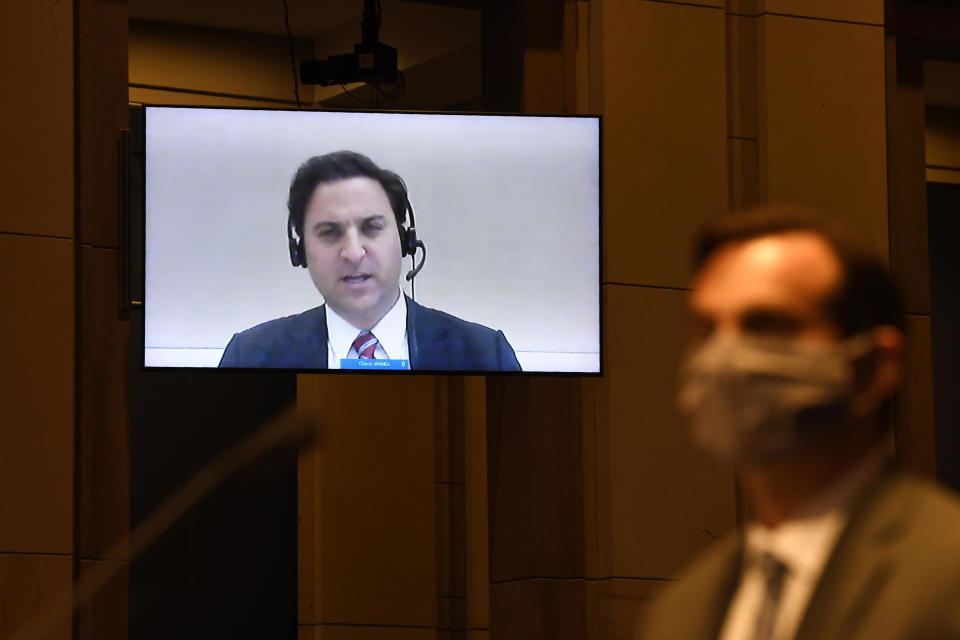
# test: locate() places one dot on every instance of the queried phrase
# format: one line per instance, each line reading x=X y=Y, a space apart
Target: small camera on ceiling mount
x=375 y=63
x=371 y=61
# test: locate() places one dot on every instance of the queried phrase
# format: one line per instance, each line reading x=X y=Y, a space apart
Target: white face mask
x=753 y=400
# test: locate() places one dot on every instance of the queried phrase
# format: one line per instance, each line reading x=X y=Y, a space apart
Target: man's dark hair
x=866 y=296
x=341 y=165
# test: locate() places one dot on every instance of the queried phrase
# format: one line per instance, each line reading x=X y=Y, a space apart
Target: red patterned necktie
x=365 y=345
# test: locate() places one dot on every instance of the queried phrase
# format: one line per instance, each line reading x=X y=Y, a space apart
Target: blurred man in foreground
x=796 y=353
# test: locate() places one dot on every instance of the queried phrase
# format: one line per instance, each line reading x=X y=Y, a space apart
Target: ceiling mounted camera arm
x=370 y=26
x=371 y=61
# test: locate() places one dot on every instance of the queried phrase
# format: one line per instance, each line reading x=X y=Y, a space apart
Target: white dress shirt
x=803 y=544
x=391 y=334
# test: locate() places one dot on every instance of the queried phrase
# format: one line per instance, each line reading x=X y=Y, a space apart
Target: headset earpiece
x=297 y=257
x=408 y=235
x=408 y=241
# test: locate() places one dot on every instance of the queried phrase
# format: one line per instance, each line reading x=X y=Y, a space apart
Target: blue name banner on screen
x=366 y=365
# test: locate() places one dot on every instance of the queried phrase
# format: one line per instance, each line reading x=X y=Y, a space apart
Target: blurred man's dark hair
x=866 y=296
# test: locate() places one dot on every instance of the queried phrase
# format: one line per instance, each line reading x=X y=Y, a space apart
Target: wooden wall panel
x=102 y=420
x=744 y=173
x=451 y=520
x=27 y=585
x=534 y=428
x=198 y=99
x=540 y=608
x=943 y=137
x=37 y=118
x=741 y=54
x=863 y=11
x=476 y=504
x=536 y=482
x=667 y=499
x=367 y=502
x=718 y=4
x=915 y=434
x=364 y=633
x=101 y=114
x=450 y=453
x=104 y=495
x=823 y=122
x=214 y=61
x=617 y=605
x=743 y=7
x=36 y=394
x=945 y=176
x=106 y=616
x=665 y=154
x=451 y=585
x=907 y=189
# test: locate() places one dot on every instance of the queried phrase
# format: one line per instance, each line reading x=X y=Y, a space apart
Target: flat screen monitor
x=379 y=242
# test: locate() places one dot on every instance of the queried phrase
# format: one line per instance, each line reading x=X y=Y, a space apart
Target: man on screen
x=346 y=226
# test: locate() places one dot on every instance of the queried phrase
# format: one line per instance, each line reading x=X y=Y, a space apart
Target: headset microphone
x=416 y=268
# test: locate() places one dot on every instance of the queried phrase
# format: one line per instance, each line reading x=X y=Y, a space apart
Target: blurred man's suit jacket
x=895 y=573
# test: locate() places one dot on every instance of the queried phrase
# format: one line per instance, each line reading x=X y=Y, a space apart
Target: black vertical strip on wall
x=229 y=566
x=943 y=206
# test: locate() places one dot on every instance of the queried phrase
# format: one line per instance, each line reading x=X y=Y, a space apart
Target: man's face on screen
x=353 y=248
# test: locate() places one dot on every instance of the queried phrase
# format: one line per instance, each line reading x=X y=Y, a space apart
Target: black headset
x=409 y=243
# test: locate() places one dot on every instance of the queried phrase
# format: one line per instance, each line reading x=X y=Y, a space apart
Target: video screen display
x=371 y=241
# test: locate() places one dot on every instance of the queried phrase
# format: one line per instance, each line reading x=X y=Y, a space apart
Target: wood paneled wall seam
x=822 y=120
x=678 y=94
x=103 y=333
x=368 y=506
x=914 y=429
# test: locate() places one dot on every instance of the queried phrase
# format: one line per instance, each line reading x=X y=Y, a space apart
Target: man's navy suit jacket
x=435 y=340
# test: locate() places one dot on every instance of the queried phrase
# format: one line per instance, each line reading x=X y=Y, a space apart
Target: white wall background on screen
x=507 y=208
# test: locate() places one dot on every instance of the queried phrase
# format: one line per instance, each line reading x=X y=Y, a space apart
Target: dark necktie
x=774 y=572
x=365 y=345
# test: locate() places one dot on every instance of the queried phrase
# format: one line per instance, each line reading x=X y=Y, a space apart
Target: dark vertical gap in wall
x=943 y=211
x=229 y=566
x=77 y=313
x=502 y=52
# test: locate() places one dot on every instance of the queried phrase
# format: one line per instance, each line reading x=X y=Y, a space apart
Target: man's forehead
x=795 y=268
x=356 y=198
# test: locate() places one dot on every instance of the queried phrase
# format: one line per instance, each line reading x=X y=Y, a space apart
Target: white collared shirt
x=390 y=331
x=803 y=544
